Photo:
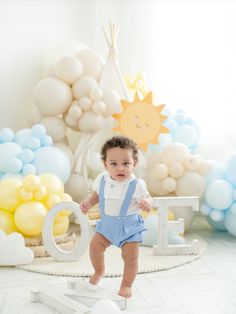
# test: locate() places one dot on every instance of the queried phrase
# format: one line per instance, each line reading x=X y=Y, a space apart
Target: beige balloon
x=92 y=63
x=83 y=86
x=77 y=187
x=190 y=184
x=52 y=96
x=175 y=152
x=55 y=127
x=68 y=69
x=90 y=122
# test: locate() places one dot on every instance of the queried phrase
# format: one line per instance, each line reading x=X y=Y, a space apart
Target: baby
x=121 y=196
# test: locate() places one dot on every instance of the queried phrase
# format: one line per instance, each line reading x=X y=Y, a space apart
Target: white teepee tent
x=112 y=77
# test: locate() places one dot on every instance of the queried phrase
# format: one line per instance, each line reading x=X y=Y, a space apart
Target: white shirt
x=115 y=191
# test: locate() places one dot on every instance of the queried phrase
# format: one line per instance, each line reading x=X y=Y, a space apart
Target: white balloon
x=190 y=184
x=168 y=184
x=192 y=162
x=68 y=69
x=90 y=122
x=83 y=86
x=52 y=96
x=85 y=103
x=99 y=107
x=71 y=122
x=55 y=127
x=160 y=171
x=153 y=159
x=35 y=116
x=112 y=101
x=154 y=185
x=175 y=152
x=92 y=63
x=96 y=93
x=67 y=151
x=77 y=187
x=176 y=170
x=95 y=163
x=75 y=112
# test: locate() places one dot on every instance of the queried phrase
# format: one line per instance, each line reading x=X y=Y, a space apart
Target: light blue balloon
x=38 y=130
x=7 y=151
x=230 y=222
x=33 y=143
x=205 y=209
x=14 y=165
x=22 y=137
x=163 y=141
x=6 y=135
x=29 y=169
x=230 y=171
x=217 y=225
x=47 y=141
x=219 y=194
x=52 y=160
x=217 y=172
x=26 y=155
x=217 y=215
x=185 y=134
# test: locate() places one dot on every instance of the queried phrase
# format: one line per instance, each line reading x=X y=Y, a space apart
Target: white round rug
x=113 y=262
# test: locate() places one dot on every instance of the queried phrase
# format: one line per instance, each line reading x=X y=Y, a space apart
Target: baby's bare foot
x=95 y=278
x=125 y=292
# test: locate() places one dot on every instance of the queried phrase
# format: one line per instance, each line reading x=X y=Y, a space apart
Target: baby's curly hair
x=122 y=142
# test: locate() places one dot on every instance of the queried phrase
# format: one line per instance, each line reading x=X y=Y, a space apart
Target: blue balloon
x=6 y=135
x=52 y=160
x=217 y=225
x=217 y=172
x=7 y=151
x=22 y=137
x=33 y=143
x=230 y=170
x=26 y=155
x=14 y=165
x=38 y=130
x=29 y=169
x=230 y=222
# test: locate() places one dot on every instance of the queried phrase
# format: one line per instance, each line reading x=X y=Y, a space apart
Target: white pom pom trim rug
x=114 y=263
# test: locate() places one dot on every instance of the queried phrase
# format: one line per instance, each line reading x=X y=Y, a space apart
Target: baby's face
x=119 y=163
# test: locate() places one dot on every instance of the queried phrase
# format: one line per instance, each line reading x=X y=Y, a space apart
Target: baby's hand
x=84 y=206
x=145 y=205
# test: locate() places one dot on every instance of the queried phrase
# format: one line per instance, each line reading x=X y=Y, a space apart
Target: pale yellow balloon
x=41 y=193
x=52 y=200
x=7 y=223
x=52 y=183
x=61 y=227
x=29 y=218
x=25 y=195
x=9 y=198
x=31 y=183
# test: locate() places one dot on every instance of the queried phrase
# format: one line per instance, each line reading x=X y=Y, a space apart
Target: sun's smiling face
x=141 y=121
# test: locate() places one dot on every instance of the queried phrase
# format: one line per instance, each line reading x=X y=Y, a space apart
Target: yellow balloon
x=52 y=200
x=41 y=193
x=9 y=198
x=25 y=195
x=52 y=183
x=31 y=183
x=29 y=218
x=61 y=227
x=7 y=223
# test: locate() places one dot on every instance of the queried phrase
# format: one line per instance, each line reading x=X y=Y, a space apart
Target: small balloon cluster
x=25 y=203
x=30 y=151
x=175 y=170
x=136 y=83
x=183 y=130
x=71 y=96
x=219 y=204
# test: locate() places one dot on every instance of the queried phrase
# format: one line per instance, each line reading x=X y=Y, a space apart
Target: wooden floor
x=205 y=286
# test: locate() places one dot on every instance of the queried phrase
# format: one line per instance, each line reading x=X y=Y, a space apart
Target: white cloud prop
x=13 y=251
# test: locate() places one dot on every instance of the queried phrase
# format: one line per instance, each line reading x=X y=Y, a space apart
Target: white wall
x=186 y=49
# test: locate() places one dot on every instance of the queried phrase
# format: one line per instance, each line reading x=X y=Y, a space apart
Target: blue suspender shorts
x=123 y=228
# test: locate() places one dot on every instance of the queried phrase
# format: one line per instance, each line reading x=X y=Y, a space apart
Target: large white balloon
x=68 y=69
x=77 y=187
x=175 y=152
x=190 y=184
x=52 y=96
x=83 y=86
x=112 y=101
x=92 y=63
x=55 y=127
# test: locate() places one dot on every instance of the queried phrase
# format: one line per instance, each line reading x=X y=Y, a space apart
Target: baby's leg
x=97 y=248
x=130 y=257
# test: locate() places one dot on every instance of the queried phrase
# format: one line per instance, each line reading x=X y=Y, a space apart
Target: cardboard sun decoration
x=141 y=121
